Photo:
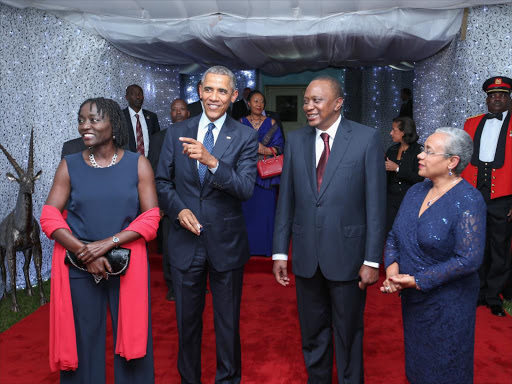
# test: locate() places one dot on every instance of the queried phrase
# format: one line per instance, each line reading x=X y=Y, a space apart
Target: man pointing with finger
x=207 y=167
x=332 y=204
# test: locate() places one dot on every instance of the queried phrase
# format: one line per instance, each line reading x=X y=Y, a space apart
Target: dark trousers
x=392 y=206
x=226 y=289
x=326 y=306
x=90 y=312
x=165 y=225
x=496 y=267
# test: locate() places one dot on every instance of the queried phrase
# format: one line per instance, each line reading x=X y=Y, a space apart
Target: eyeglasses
x=429 y=153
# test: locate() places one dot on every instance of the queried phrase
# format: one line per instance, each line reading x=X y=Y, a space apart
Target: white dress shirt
x=145 y=133
x=489 y=138
x=319 y=148
x=203 y=128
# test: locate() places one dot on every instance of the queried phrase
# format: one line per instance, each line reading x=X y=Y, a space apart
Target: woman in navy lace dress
x=432 y=256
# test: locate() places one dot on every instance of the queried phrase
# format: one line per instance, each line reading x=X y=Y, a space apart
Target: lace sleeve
x=469 y=233
x=391 y=253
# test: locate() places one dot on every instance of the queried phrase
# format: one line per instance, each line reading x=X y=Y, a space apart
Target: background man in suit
x=240 y=108
x=72 y=146
x=490 y=172
x=406 y=107
x=332 y=202
x=207 y=167
x=196 y=108
x=179 y=112
x=143 y=124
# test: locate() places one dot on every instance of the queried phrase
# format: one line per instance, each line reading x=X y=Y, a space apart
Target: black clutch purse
x=119 y=259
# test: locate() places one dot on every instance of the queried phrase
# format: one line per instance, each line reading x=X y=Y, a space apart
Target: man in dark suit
x=196 y=108
x=332 y=202
x=406 y=107
x=207 y=167
x=143 y=124
x=72 y=146
x=179 y=112
x=240 y=108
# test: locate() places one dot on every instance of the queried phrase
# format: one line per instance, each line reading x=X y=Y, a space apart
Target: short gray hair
x=459 y=144
x=221 y=70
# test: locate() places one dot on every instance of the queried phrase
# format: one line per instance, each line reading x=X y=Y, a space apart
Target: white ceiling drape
x=275 y=36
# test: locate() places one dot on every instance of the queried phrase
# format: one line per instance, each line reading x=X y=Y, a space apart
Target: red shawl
x=132 y=331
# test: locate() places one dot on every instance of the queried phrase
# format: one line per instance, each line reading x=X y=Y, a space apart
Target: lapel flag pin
x=228 y=137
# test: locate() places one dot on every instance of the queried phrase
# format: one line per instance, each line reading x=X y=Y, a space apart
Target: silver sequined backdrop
x=448 y=86
x=47 y=68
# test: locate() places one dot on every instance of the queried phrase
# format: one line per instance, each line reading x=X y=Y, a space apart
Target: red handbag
x=273 y=166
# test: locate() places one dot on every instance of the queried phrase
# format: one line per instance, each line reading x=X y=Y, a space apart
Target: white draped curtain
x=277 y=37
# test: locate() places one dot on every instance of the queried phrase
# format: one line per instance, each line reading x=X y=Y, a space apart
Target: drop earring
x=450 y=172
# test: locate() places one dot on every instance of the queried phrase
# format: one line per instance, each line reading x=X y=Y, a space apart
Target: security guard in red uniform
x=490 y=171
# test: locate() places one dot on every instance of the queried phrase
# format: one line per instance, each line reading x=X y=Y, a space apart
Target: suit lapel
x=149 y=122
x=191 y=131
x=227 y=135
x=338 y=148
x=310 y=157
x=132 y=146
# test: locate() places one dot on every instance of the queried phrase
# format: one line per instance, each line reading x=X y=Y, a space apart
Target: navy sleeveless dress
x=102 y=202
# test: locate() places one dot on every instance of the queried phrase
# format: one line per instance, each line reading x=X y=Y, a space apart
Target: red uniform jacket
x=501 y=179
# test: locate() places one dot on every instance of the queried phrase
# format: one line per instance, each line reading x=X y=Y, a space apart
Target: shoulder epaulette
x=472 y=117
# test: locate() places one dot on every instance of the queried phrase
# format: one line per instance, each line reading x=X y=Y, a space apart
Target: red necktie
x=320 y=168
x=140 y=137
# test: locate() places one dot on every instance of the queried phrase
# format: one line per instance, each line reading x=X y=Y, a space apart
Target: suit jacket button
x=318 y=204
x=492 y=191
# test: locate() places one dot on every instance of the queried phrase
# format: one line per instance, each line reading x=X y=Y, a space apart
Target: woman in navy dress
x=104 y=188
x=432 y=256
x=260 y=209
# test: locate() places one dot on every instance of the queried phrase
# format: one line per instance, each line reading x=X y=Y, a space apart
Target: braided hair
x=110 y=108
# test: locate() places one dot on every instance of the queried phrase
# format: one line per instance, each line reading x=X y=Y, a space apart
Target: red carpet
x=271 y=350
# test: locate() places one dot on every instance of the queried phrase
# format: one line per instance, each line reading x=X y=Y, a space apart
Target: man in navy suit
x=332 y=203
x=207 y=167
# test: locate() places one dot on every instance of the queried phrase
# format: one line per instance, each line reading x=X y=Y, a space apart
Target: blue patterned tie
x=208 y=144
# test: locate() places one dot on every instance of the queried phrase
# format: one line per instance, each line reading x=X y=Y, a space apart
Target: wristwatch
x=115 y=240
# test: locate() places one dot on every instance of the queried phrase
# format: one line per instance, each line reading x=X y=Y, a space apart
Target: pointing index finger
x=188 y=140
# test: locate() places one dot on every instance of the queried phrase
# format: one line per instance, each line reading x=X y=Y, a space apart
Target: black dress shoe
x=170 y=295
x=497 y=310
x=481 y=302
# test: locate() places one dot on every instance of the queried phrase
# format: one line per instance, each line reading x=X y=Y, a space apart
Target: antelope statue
x=19 y=231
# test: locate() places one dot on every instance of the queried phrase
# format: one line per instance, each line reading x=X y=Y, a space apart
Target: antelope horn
x=13 y=162
x=30 y=169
